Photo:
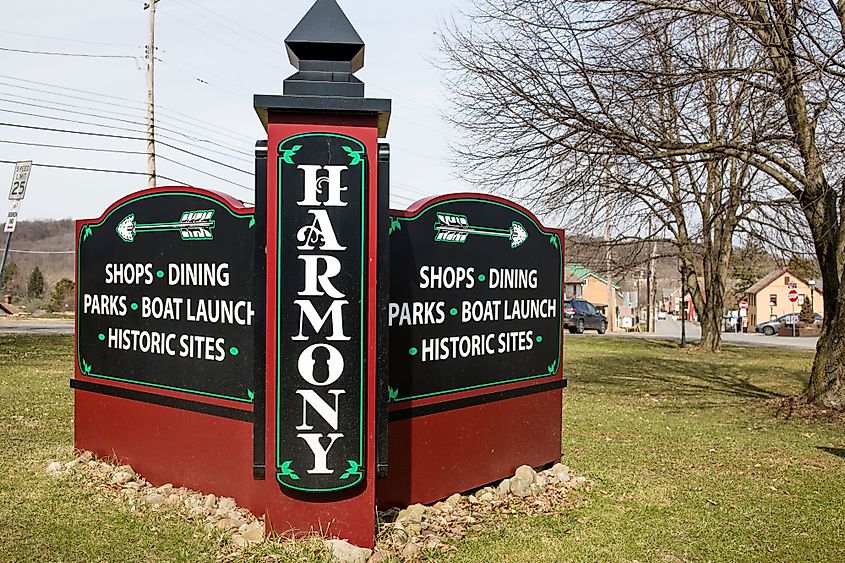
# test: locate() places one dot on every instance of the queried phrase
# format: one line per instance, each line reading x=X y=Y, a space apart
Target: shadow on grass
x=688 y=375
x=838 y=452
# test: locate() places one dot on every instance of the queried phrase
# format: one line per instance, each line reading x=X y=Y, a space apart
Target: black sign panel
x=320 y=317
x=164 y=295
x=475 y=298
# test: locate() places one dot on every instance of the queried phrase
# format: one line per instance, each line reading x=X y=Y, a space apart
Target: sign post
x=793 y=298
x=20 y=179
x=322 y=200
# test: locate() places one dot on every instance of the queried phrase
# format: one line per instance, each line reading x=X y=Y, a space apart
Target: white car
x=661 y=315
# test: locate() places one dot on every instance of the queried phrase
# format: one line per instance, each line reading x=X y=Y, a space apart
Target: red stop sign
x=793 y=295
x=743 y=305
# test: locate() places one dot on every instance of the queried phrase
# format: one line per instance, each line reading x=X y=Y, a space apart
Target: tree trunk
x=826 y=387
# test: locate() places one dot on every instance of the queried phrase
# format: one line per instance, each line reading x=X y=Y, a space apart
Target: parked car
x=580 y=315
x=661 y=315
x=770 y=328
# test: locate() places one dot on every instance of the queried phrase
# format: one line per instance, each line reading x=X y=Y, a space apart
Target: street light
x=812 y=284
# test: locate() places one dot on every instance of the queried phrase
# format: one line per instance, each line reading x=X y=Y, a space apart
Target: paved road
x=35 y=326
x=671 y=329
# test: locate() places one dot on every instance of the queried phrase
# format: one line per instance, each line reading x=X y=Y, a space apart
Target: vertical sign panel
x=321 y=300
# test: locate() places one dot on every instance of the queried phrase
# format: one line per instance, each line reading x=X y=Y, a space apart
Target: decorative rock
x=239 y=540
x=227 y=524
x=377 y=557
x=153 y=499
x=453 y=500
x=411 y=550
x=520 y=488
x=413 y=513
x=578 y=481
x=472 y=499
x=121 y=478
x=535 y=489
x=227 y=503
x=253 y=532
x=345 y=552
x=210 y=501
x=526 y=473
x=504 y=487
x=54 y=467
x=486 y=497
x=85 y=457
x=125 y=469
x=174 y=499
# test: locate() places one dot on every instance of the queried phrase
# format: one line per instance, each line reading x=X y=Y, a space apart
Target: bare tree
x=566 y=114
x=733 y=107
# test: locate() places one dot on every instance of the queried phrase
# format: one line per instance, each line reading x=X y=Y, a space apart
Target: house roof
x=767 y=280
x=582 y=272
x=569 y=278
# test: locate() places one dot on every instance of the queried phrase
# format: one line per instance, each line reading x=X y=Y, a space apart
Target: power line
x=84 y=169
x=67 y=147
x=60 y=54
x=115 y=151
x=130 y=122
x=100 y=94
x=7 y=32
x=174 y=147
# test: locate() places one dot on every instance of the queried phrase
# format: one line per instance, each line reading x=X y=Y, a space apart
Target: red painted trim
x=418 y=208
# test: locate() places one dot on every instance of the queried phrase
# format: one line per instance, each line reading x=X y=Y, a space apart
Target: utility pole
x=151 y=142
x=611 y=301
x=652 y=288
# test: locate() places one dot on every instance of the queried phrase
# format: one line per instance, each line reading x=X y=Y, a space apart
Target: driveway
x=19 y=325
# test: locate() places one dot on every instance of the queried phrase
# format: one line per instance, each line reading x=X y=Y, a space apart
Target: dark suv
x=580 y=315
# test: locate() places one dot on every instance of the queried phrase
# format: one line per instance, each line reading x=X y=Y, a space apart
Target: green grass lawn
x=690 y=458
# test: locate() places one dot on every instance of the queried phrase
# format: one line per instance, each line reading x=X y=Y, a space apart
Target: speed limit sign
x=19 y=180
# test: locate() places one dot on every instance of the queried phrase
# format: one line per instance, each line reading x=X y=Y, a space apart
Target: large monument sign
x=318 y=354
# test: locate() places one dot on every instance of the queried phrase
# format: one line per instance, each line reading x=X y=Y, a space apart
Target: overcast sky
x=214 y=55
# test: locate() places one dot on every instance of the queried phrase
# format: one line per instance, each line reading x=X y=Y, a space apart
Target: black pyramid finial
x=325 y=34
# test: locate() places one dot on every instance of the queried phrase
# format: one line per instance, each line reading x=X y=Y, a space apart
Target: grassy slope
x=690 y=464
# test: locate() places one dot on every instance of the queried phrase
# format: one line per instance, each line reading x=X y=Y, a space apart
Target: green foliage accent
x=287 y=471
x=61 y=299
x=288 y=154
x=11 y=285
x=392 y=394
x=252 y=222
x=355 y=156
x=554 y=240
x=552 y=367
x=354 y=469
x=250 y=394
x=35 y=285
x=86 y=367
x=395 y=225
x=807 y=315
x=87 y=231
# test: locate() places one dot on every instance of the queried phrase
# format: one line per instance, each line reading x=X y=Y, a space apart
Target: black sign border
x=86 y=230
x=363 y=300
x=417 y=210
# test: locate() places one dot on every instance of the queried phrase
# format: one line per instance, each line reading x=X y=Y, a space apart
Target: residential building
x=582 y=282
x=768 y=298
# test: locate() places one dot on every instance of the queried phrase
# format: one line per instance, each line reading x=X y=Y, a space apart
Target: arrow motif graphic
x=456 y=228
x=194 y=225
